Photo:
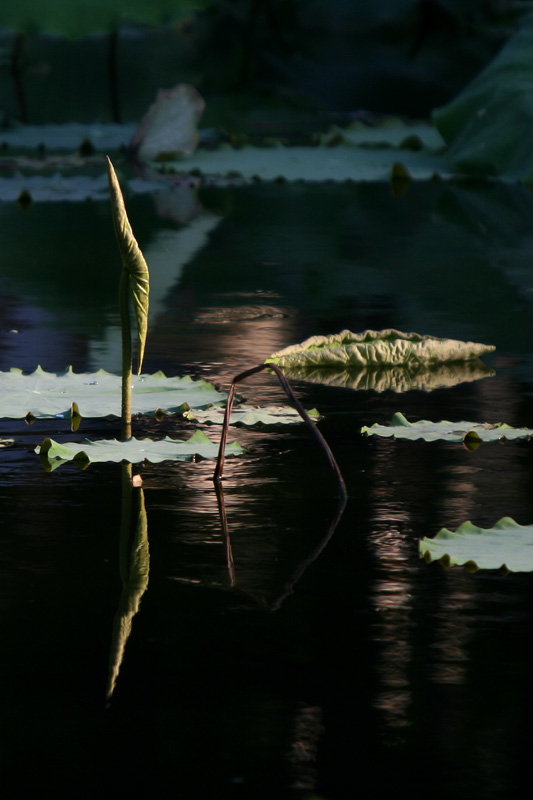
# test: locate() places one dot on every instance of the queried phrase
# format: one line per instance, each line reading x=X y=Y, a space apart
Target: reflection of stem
x=127 y=370
x=302 y=566
x=134 y=565
x=225 y=530
x=299 y=408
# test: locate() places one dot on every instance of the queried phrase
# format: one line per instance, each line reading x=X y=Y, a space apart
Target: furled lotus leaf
x=395 y=379
x=133 y=260
x=507 y=545
x=250 y=415
x=97 y=394
x=376 y=348
x=134 y=450
x=446 y=431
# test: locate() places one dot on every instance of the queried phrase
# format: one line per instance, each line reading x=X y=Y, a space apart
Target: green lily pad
x=446 y=431
x=300 y=163
x=250 y=415
x=134 y=450
x=507 y=545
x=407 y=378
x=97 y=394
x=376 y=348
x=487 y=126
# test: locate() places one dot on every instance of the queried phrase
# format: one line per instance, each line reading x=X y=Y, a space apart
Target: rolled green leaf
x=132 y=261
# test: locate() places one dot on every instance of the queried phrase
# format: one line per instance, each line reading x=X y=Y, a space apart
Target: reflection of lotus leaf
x=446 y=431
x=395 y=379
x=135 y=450
x=97 y=394
x=507 y=544
x=376 y=348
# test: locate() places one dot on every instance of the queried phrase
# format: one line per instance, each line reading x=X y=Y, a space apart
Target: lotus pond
x=275 y=655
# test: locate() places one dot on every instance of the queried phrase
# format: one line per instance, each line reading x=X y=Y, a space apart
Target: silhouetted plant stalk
x=135 y=278
x=299 y=408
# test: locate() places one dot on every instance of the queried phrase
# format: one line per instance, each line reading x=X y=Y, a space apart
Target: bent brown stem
x=299 y=408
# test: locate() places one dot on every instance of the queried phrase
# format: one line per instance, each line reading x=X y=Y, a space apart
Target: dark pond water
x=277 y=673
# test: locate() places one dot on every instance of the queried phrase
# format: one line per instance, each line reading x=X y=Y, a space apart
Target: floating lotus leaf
x=395 y=379
x=250 y=415
x=507 y=545
x=446 y=431
x=134 y=450
x=97 y=394
x=300 y=163
x=376 y=348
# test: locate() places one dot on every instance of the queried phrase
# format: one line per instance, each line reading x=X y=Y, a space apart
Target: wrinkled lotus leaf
x=135 y=450
x=251 y=415
x=376 y=348
x=446 y=431
x=488 y=124
x=169 y=128
x=299 y=163
x=394 y=379
x=507 y=545
x=97 y=394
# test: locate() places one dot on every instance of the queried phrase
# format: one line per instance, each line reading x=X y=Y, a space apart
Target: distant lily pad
x=134 y=450
x=407 y=378
x=250 y=415
x=376 y=348
x=506 y=545
x=97 y=394
x=446 y=431
x=300 y=163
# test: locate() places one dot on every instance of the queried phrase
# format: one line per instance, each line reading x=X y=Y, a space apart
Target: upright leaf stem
x=127 y=371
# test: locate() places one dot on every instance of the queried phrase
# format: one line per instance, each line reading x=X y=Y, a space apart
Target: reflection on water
x=370 y=651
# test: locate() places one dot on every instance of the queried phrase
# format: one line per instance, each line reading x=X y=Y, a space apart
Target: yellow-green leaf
x=132 y=260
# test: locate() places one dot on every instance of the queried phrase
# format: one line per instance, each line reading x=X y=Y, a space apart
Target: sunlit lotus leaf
x=507 y=545
x=394 y=379
x=97 y=394
x=132 y=260
x=376 y=348
x=250 y=415
x=301 y=163
x=169 y=128
x=135 y=450
x=446 y=431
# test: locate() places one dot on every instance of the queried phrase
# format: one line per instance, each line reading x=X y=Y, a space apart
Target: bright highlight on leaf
x=400 y=428
x=134 y=450
x=96 y=394
x=376 y=348
x=507 y=545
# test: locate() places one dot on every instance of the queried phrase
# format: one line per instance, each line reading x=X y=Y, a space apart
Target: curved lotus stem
x=299 y=408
